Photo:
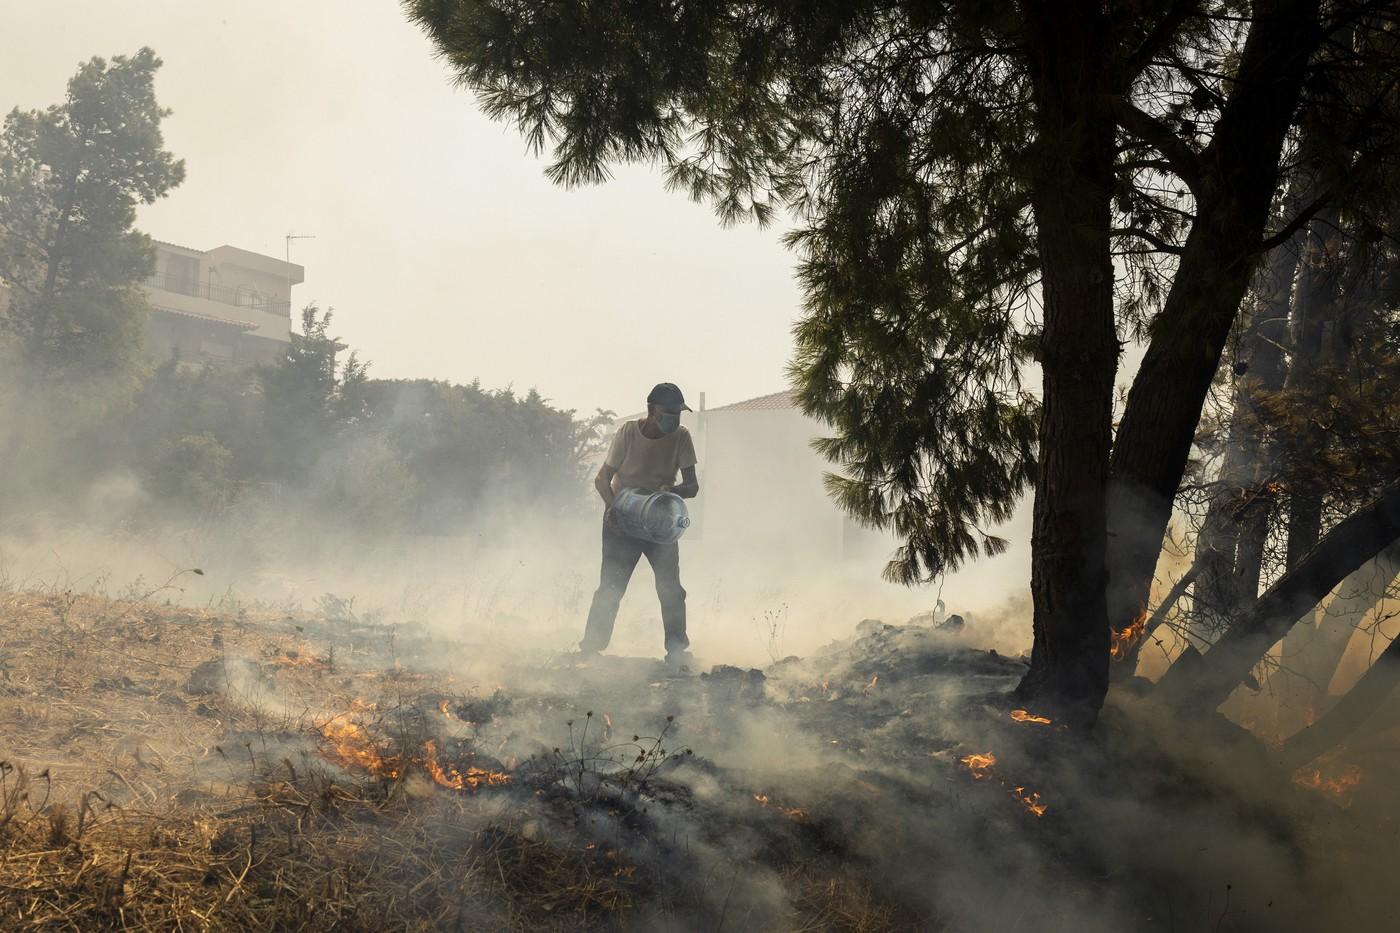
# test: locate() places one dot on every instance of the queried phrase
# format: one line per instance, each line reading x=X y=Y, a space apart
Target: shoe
x=580 y=657
x=679 y=662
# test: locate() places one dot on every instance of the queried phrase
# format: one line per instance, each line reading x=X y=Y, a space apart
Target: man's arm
x=689 y=486
x=603 y=483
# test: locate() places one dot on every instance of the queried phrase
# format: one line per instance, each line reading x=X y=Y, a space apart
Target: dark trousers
x=620 y=555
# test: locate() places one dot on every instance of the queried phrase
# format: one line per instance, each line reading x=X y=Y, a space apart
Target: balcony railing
x=241 y=297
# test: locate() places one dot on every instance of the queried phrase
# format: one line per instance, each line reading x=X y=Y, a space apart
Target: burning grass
x=168 y=769
x=146 y=790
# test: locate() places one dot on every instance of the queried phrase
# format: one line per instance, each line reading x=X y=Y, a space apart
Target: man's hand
x=689 y=486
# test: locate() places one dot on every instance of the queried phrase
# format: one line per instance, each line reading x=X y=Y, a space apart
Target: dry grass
x=129 y=804
x=126 y=802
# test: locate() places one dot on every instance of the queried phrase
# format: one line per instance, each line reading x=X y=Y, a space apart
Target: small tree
x=308 y=397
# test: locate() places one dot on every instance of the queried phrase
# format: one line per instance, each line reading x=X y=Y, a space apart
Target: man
x=645 y=454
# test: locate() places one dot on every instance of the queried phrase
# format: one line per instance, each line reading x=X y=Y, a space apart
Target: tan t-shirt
x=645 y=463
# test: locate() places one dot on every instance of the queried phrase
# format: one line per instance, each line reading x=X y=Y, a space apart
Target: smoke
x=836 y=768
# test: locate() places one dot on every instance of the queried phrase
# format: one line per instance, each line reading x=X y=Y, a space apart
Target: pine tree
x=71 y=176
x=965 y=181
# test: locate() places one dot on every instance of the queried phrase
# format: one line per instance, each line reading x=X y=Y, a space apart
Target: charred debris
x=333 y=774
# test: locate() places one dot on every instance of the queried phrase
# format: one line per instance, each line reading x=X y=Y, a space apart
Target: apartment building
x=225 y=305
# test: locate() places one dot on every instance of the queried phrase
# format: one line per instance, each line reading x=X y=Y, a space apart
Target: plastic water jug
x=659 y=517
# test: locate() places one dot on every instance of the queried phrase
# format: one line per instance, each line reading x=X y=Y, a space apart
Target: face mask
x=668 y=423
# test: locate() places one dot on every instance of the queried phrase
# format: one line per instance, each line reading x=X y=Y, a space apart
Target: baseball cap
x=669 y=395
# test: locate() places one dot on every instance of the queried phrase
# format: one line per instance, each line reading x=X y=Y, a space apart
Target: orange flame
x=450 y=777
x=1122 y=643
x=352 y=747
x=1031 y=801
x=980 y=765
x=1020 y=715
x=1340 y=786
x=796 y=814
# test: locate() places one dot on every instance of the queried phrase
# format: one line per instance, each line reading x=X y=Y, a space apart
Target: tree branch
x=1167 y=27
x=1299 y=221
x=1348 y=715
x=1355 y=540
x=1184 y=161
x=1162 y=246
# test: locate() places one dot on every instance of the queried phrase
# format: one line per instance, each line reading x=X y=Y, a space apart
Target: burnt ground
x=168 y=768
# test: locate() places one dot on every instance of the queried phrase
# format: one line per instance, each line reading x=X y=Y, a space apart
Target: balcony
x=242 y=297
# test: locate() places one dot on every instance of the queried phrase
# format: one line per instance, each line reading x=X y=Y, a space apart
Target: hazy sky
x=440 y=244
x=438 y=241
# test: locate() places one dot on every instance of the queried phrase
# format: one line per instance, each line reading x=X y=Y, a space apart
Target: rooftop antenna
x=287 y=255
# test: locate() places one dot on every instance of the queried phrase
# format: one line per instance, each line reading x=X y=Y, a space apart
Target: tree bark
x=1354 y=541
x=1072 y=89
x=1239 y=173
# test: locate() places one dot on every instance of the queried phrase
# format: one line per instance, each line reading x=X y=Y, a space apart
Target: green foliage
x=346 y=450
x=70 y=179
x=363 y=484
x=308 y=395
x=896 y=135
x=191 y=470
x=474 y=452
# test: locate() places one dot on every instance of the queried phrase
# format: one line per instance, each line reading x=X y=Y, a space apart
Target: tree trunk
x=1354 y=541
x=1232 y=539
x=1240 y=170
x=1072 y=89
x=1350 y=712
x=1254 y=538
x=1314 y=312
x=1129 y=659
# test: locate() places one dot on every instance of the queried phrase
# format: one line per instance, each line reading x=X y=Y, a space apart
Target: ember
x=796 y=814
x=351 y=746
x=1031 y=801
x=1122 y=642
x=450 y=777
x=979 y=765
x=1340 y=786
x=1020 y=715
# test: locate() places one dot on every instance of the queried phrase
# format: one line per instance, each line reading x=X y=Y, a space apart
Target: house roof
x=182 y=246
x=208 y=318
x=778 y=401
